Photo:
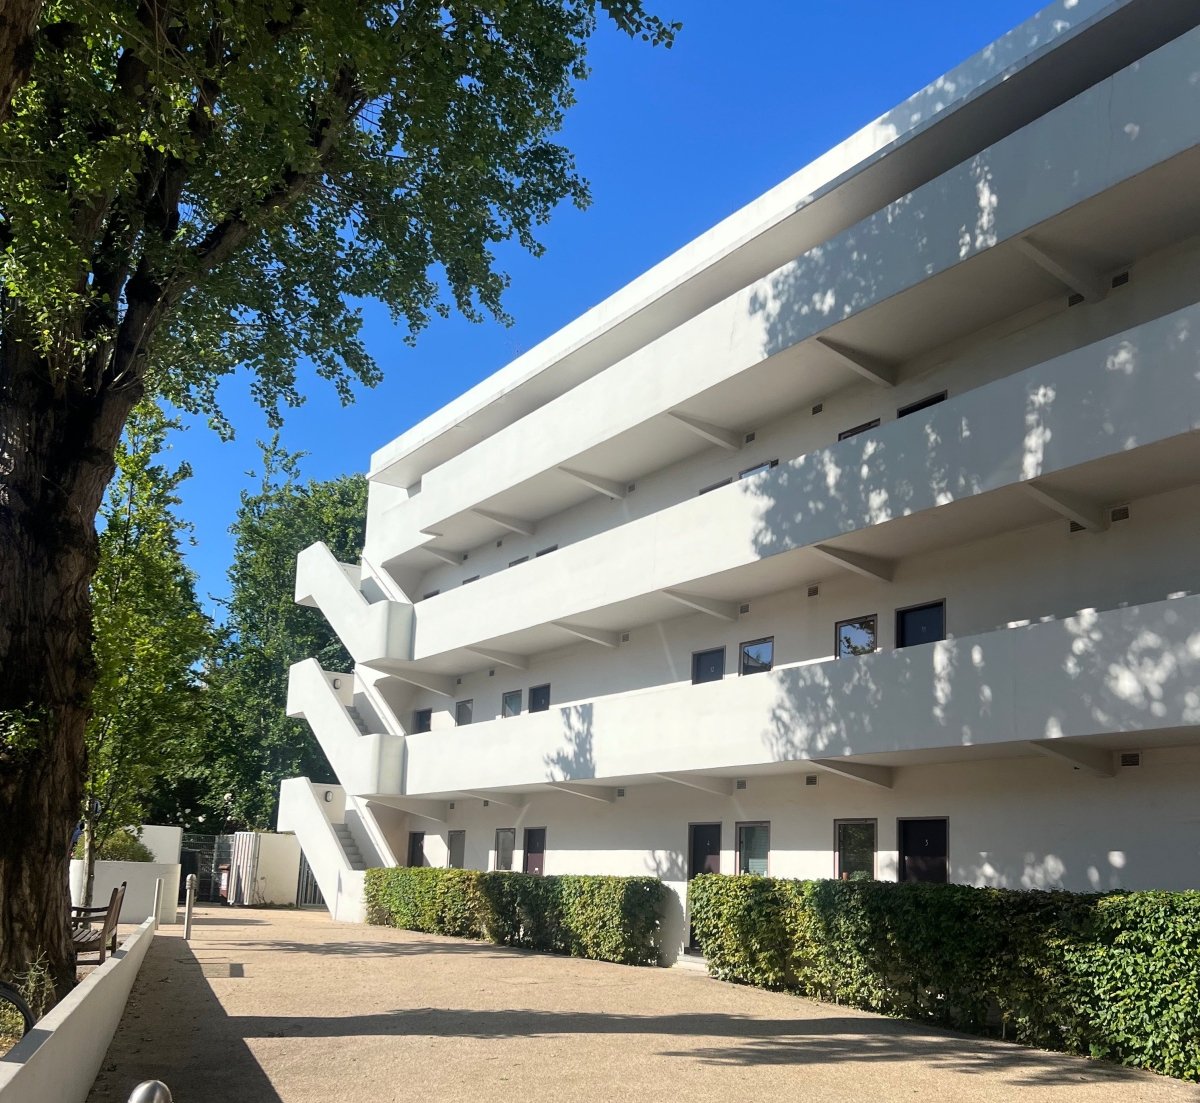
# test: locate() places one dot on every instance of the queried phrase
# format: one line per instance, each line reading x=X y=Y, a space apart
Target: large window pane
x=855 y=848
x=754 y=844
x=708 y=666
x=758 y=656
x=511 y=703
x=462 y=712
x=506 y=843
x=921 y=624
x=457 y=849
x=539 y=698
x=423 y=720
x=858 y=636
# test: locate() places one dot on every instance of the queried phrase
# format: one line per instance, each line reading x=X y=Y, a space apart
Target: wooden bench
x=93 y=940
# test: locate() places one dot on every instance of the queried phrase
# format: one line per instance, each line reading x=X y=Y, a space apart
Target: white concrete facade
x=997 y=286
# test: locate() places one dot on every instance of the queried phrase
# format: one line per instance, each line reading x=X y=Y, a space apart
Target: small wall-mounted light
x=328 y=796
x=337 y=683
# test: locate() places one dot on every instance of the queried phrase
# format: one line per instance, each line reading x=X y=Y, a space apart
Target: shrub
x=1114 y=976
x=605 y=918
x=120 y=846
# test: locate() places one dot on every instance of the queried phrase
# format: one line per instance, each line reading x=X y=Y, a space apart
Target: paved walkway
x=289 y=1007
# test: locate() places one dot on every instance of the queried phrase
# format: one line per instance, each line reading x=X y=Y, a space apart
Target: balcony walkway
x=269 y=1006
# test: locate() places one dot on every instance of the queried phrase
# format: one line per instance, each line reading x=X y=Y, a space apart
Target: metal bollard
x=158 y=886
x=191 y=900
x=152 y=1091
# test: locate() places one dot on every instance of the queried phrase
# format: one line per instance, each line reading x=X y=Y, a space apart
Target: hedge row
x=1114 y=976
x=606 y=918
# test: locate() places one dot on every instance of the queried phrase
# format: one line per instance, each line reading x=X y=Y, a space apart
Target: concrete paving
x=289 y=1007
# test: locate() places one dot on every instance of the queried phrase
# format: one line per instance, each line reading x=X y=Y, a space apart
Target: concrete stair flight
x=349 y=846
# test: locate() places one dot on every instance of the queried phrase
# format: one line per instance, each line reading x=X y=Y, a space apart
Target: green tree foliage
x=186 y=187
x=254 y=745
x=151 y=640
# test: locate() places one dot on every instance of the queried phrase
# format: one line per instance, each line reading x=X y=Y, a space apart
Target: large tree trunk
x=56 y=457
x=18 y=22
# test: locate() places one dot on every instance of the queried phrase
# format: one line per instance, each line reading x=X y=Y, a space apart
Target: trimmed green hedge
x=1114 y=976
x=606 y=918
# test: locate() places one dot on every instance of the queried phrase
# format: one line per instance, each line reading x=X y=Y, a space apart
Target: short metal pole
x=191 y=900
x=158 y=889
x=151 y=1091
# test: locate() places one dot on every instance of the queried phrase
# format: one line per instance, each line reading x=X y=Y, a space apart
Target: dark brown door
x=416 y=848
x=535 y=850
x=704 y=856
x=923 y=851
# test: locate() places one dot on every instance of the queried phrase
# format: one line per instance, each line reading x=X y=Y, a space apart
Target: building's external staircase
x=349 y=846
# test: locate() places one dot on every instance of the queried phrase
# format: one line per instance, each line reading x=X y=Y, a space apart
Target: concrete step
x=356 y=716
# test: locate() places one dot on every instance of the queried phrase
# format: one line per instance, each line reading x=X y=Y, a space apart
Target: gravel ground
x=290 y=1007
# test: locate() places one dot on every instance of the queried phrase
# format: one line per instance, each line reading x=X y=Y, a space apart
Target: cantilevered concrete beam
x=608 y=487
x=513 y=524
x=720 y=786
x=1091 y=760
x=435 y=683
x=1071 y=506
x=501 y=658
x=508 y=800
x=880 y=776
x=729 y=439
x=603 y=793
x=593 y=635
x=722 y=610
x=1075 y=274
x=435 y=810
x=866 y=565
x=453 y=558
x=869 y=367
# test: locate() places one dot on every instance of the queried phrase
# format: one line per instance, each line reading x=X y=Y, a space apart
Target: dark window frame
x=912 y=608
x=545 y=551
x=837 y=635
x=900 y=844
x=837 y=850
x=865 y=427
x=466 y=581
x=533 y=690
x=517 y=562
x=416 y=722
x=766 y=465
x=921 y=404
x=525 y=851
x=742 y=671
x=707 y=651
x=470 y=702
x=432 y=593
x=414 y=836
x=450 y=848
x=520 y=696
x=737 y=844
x=715 y=486
x=511 y=850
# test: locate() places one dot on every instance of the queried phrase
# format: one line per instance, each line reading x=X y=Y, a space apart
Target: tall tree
x=252 y=745
x=188 y=186
x=151 y=638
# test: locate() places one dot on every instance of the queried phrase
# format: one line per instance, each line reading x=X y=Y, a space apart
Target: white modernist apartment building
x=860 y=536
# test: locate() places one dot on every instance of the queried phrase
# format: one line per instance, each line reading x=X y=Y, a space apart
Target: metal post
x=158 y=889
x=191 y=900
x=151 y=1091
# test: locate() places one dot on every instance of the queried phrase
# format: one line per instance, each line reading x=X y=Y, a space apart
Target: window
x=432 y=593
x=422 y=720
x=473 y=578
x=506 y=843
x=458 y=849
x=857 y=636
x=535 y=851
x=716 y=486
x=510 y=703
x=539 y=698
x=708 y=666
x=854 y=849
x=523 y=559
x=758 y=656
x=753 y=846
x=546 y=551
x=924 y=404
x=766 y=465
x=462 y=712
x=416 y=849
x=846 y=434
x=924 y=850
x=921 y=624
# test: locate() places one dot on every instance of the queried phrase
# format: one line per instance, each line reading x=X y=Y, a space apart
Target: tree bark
x=56 y=457
x=18 y=23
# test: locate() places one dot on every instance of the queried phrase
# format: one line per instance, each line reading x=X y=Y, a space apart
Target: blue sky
x=671 y=141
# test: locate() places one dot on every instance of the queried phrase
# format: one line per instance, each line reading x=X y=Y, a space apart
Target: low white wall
x=139 y=878
x=163 y=842
x=57 y=1061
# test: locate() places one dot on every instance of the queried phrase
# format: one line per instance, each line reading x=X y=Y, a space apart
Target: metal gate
x=308 y=892
x=204 y=855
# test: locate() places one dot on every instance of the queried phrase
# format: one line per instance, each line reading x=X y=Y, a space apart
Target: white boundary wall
x=139 y=878
x=58 y=1060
